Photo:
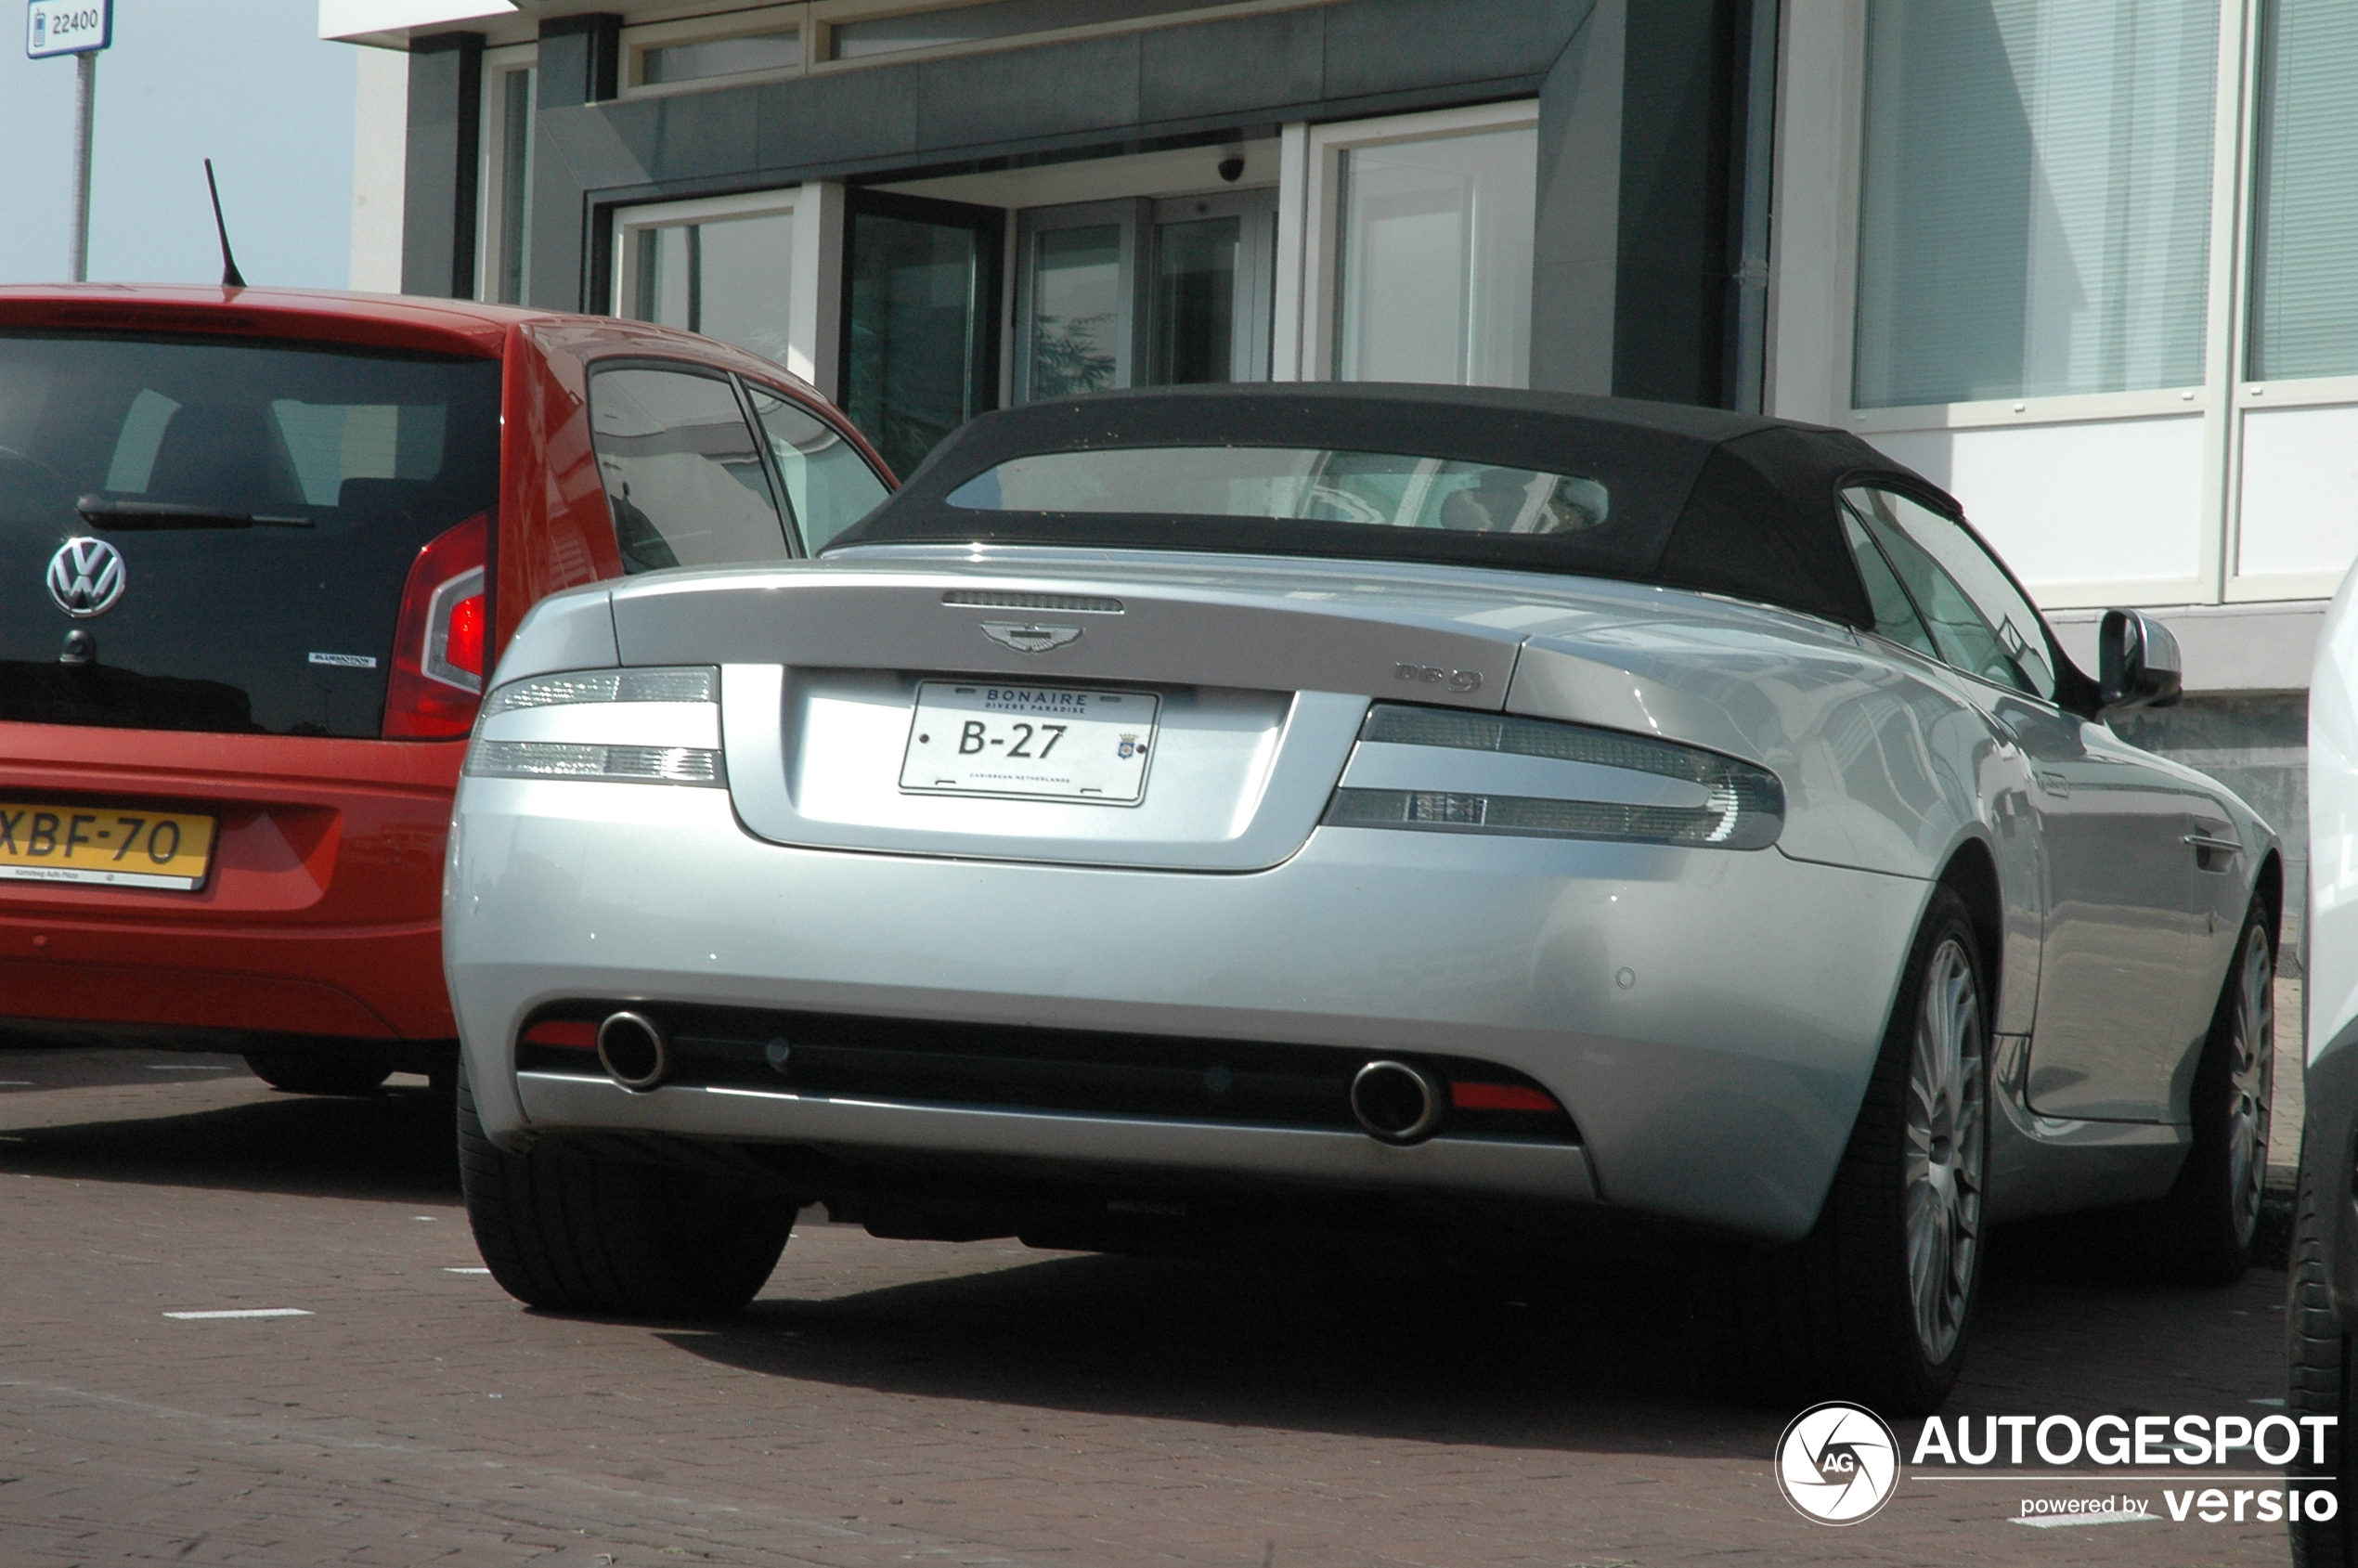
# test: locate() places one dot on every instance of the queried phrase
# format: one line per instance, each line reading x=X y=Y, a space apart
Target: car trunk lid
x=1244 y=697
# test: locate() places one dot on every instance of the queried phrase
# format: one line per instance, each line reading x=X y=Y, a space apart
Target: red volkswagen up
x=258 y=549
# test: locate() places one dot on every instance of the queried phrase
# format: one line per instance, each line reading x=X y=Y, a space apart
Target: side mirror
x=2137 y=662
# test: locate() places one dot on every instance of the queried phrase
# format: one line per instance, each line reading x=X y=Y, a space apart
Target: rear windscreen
x=207 y=535
x=1378 y=489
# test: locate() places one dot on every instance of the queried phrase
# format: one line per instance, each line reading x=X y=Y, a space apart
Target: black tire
x=2206 y=1229
x=327 y=1070
x=1836 y=1315
x=576 y=1233
x=2317 y=1383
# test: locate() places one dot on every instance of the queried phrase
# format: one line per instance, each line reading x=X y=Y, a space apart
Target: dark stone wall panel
x=1575 y=233
x=687 y=136
x=839 y=119
x=443 y=142
x=1168 y=86
x=580 y=58
x=1395 y=46
x=574 y=151
x=1676 y=139
x=1014 y=95
x=1243 y=66
x=574 y=148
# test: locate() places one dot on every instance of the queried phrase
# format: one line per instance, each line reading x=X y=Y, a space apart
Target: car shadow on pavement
x=1382 y=1344
x=1602 y=1350
x=396 y=1145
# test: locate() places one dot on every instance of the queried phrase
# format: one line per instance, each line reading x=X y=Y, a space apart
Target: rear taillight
x=461 y=632
x=439 y=648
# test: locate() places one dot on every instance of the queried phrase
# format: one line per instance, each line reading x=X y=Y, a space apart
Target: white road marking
x=244 y=1312
x=193 y=1067
x=448 y=1270
x=16 y=1082
x=2056 y=1520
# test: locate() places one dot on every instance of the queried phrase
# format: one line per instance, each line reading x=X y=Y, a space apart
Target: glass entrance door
x=920 y=340
x=1145 y=293
x=1215 y=274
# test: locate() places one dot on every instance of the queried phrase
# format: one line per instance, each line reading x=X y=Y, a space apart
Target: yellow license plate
x=104 y=845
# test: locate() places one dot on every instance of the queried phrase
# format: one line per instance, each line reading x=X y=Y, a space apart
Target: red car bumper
x=321 y=914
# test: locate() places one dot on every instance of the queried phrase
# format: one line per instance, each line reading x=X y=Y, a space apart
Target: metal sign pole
x=80 y=28
x=85 y=77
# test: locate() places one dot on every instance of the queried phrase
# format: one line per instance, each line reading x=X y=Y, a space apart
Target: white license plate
x=1037 y=743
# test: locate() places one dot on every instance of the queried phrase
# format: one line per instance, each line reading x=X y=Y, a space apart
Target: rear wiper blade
x=112 y=515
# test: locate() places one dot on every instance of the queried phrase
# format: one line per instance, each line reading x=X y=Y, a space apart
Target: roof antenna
x=230 y=279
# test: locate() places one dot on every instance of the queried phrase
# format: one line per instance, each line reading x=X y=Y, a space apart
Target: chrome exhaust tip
x=632 y=1051
x=1396 y=1103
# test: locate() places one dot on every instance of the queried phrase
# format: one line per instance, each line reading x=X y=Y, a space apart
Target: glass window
x=720 y=56
x=265 y=504
x=829 y=484
x=2035 y=216
x=331 y=444
x=1076 y=311
x=727 y=280
x=1379 y=488
x=920 y=342
x=2304 y=232
x=514 y=217
x=1137 y=294
x=1980 y=620
x=995 y=18
x=1895 y=615
x=1195 y=305
x=681 y=471
x=1434 y=261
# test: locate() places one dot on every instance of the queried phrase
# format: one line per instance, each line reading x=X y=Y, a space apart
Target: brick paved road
x=896 y=1402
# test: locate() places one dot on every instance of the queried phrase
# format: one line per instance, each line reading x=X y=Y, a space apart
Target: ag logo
x=1837 y=1463
x=85 y=576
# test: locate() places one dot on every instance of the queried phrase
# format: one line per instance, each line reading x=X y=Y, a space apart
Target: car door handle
x=2205 y=843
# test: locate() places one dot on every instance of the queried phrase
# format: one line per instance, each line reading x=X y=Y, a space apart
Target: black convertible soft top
x=1725 y=503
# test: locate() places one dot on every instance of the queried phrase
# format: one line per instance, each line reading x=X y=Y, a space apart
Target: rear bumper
x=1708 y=1019
x=318 y=914
x=1105 y=1148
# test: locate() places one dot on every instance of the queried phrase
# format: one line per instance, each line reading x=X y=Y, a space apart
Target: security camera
x=1232 y=169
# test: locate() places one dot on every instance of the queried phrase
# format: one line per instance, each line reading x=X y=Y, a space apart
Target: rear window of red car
x=206 y=535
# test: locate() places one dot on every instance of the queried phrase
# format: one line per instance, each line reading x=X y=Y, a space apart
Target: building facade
x=2091 y=264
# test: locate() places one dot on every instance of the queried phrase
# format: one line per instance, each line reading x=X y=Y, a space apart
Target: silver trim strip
x=1498 y=1167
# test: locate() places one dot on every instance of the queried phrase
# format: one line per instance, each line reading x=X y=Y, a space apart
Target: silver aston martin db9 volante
x=1355 y=806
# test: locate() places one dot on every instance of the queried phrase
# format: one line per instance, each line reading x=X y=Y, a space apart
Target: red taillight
x=569 y=1032
x=1500 y=1096
x=440 y=646
x=462 y=636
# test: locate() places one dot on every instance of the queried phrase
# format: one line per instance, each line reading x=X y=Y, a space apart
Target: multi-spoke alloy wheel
x=1945 y=1150
x=2252 y=1074
x=1876 y=1305
x=2205 y=1231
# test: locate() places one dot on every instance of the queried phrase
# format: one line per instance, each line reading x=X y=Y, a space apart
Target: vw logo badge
x=1837 y=1463
x=85 y=577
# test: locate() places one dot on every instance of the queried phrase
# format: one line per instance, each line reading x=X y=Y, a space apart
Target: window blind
x=2304 y=266
x=2035 y=214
